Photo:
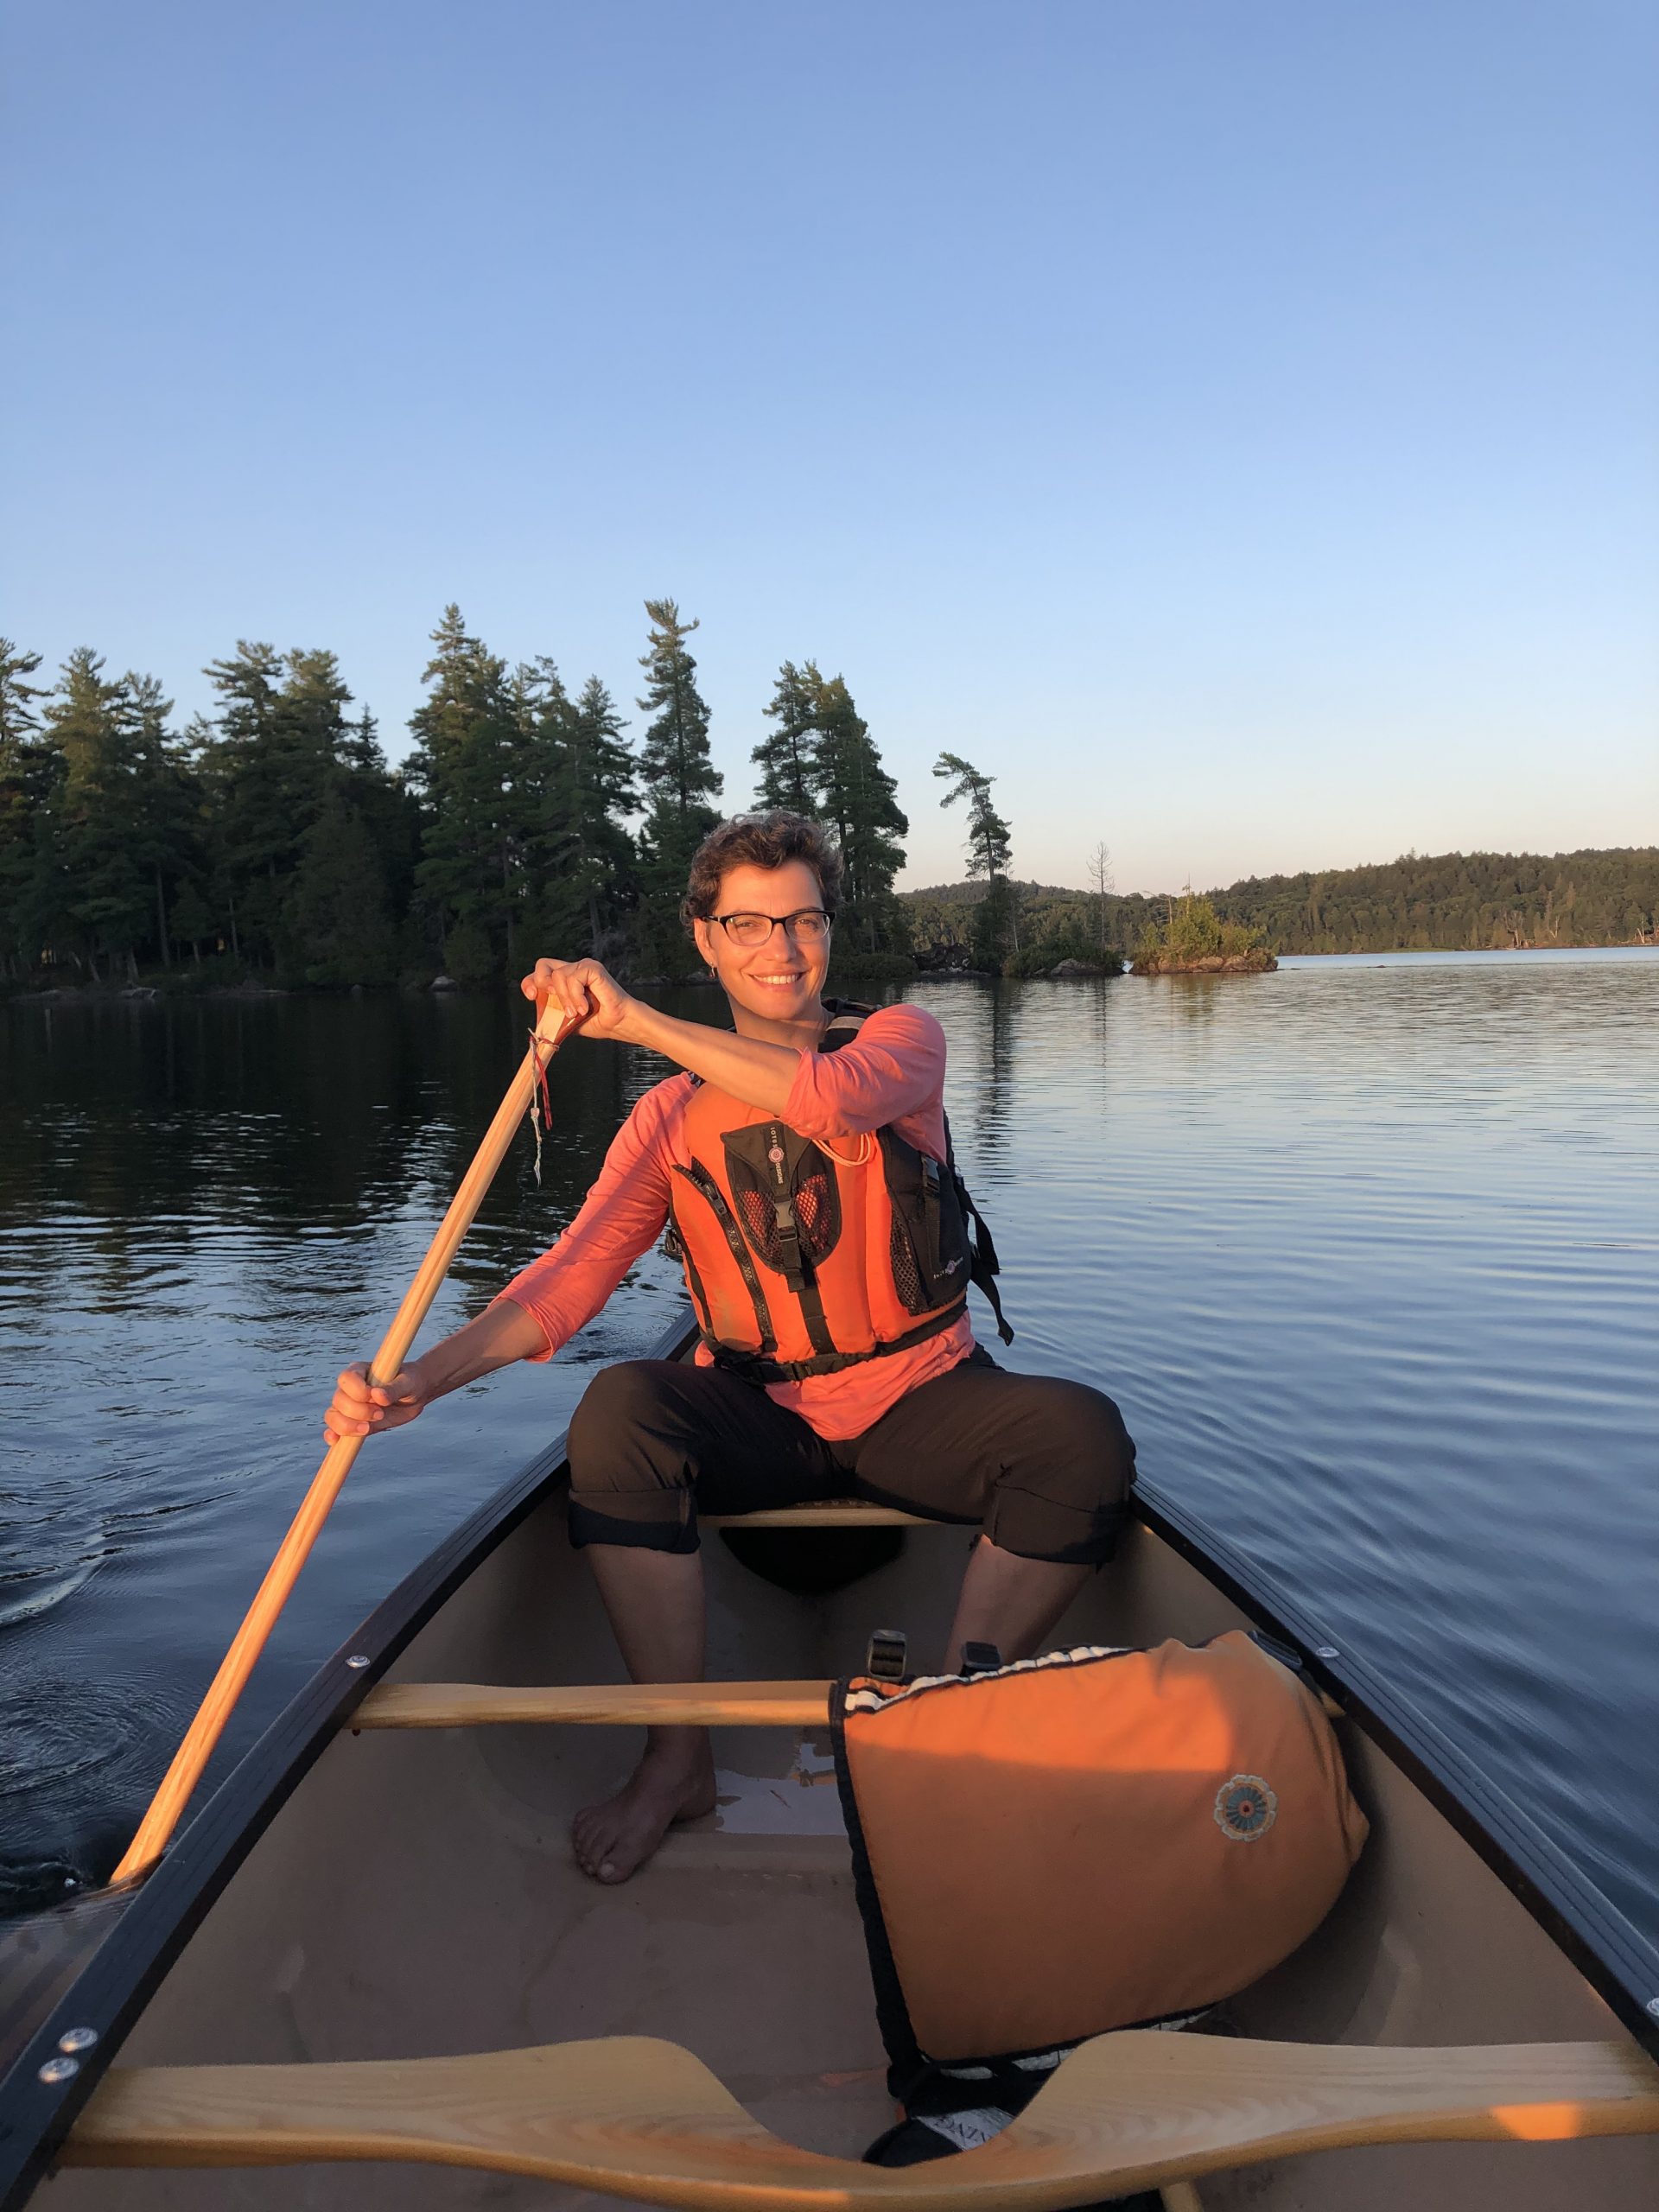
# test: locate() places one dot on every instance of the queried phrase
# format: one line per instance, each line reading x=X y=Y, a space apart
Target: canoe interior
x=415 y=1895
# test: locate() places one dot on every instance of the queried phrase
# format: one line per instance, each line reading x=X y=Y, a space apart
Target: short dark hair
x=765 y=840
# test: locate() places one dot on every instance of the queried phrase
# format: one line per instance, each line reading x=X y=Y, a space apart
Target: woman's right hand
x=357 y=1410
x=587 y=995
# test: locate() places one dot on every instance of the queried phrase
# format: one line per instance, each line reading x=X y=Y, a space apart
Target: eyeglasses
x=810 y=926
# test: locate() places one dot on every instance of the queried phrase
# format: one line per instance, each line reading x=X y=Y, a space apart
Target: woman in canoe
x=801 y=1159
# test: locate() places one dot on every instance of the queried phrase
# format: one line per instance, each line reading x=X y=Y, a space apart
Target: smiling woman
x=802 y=1162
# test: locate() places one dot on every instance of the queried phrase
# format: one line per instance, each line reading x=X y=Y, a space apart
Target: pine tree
x=788 y=758
x=675 y=757
x=541 y=796
x=680 y=777
x=336 y=917
x=857 y=796
x=468 y=748
x=165 y=802
x=29 y=773
x=996 y=918
x=603 y=793
x=256 y=835
x=103 y=898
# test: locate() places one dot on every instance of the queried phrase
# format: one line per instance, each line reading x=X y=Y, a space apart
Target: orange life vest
x=803 y=1257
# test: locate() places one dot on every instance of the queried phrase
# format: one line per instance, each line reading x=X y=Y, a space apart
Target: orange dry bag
x=1093 y=1840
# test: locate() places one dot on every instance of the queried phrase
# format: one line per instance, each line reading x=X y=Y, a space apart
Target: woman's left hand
x=587 y=992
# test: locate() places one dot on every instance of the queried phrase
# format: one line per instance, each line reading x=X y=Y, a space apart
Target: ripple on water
x=26 y=1592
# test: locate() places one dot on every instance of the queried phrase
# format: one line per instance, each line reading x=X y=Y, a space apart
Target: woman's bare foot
x=671 y=1783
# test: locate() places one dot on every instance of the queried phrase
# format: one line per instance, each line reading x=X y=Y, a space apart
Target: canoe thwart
x=826 y=1513
x=657 y=1705
x=636 y=2118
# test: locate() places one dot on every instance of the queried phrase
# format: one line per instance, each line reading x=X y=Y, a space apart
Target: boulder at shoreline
x=1256 y=962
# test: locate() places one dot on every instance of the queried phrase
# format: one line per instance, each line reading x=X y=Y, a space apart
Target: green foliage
x=788 y=758
x=28 y=772
x=858 y=966
x=1063 y=939
x=1194 y=931
x=474 y=755
x=1455 y=901
x=337 y=923
x=674 y=758
x=992 y=924
x=988 y=835
x=822 y=761
x=273 y=837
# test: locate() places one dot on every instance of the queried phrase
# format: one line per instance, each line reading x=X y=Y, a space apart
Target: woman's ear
x=701 y=939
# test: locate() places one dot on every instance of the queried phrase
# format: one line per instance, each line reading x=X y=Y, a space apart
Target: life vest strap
x=755 y=1367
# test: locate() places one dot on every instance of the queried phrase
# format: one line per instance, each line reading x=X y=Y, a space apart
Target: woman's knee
x=621 y=1412
x=1090 y=1443
x=1064 y=1482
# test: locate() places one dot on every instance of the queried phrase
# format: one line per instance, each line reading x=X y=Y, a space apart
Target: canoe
x=368 y=1975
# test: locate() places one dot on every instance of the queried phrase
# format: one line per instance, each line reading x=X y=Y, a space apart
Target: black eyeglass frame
x=776 y=921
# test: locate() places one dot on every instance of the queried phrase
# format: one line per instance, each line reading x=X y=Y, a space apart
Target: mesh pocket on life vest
x=801 y=1175
x=817 y=1218
x=906 y=1277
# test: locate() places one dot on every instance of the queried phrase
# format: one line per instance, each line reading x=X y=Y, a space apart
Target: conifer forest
x=270 y=842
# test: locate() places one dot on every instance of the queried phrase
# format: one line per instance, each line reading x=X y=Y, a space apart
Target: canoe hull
x=416 y=1896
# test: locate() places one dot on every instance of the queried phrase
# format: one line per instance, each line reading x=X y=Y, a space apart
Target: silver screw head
x=73 y=2039
x=1653 y=2006
x=1327 y=1652
x=359 y=1660
x=59 y=2069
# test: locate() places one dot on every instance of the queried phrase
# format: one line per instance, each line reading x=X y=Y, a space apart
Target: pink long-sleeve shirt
x=892 y=1073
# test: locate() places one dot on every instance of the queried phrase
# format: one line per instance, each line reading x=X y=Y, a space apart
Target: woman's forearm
x=760 y=1074
x=501 y=1334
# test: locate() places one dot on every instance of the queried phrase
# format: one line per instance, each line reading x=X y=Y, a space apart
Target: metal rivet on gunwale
x=358 y=1659
x=1653 y=2006
x=73 y=2039
x=59 y=2069
x=1327 y=1652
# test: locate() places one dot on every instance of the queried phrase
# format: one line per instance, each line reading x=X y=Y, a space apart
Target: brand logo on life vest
x=1245 y=1809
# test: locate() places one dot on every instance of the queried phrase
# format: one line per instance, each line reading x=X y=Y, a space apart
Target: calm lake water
x=1367 y=1250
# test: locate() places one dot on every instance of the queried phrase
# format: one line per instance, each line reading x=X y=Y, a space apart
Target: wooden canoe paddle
x=204 y=1731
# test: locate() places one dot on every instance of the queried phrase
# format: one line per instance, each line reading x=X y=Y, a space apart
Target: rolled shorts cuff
x=1012 y=1531
x=655 y=1533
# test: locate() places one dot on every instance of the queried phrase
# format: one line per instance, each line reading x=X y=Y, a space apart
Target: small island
x=1193 y=940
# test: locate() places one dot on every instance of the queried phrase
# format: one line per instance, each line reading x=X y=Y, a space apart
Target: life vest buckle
x=884 y=1661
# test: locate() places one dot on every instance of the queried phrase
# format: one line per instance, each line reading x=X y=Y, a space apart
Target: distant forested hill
x=1455 y=901
x=1447 y=902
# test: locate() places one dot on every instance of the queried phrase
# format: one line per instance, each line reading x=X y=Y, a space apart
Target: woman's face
x=779 y=979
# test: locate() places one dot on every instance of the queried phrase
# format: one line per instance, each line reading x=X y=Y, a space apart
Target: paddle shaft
x=204 y=1731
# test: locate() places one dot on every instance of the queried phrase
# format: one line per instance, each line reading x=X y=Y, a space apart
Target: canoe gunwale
x=169 y=1905
x=1613 y=1957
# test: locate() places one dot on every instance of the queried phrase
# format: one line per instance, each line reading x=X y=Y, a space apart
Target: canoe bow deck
x=383 y=1887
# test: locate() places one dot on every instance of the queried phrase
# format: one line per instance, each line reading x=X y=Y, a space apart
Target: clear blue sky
x=1233 y=423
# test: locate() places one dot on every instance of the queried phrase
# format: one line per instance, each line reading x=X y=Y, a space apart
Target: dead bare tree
x=1100 y=872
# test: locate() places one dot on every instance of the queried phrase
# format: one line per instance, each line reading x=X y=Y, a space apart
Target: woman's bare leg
x=655 y=1603
x=1010 y=1602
